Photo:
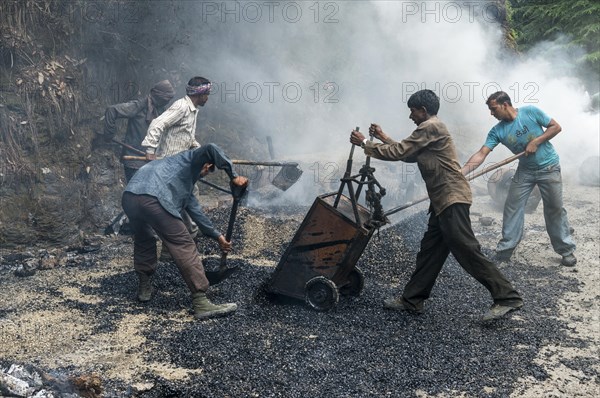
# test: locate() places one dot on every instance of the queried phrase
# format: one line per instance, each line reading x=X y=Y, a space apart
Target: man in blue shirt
x=529 y=130
x=154 y=200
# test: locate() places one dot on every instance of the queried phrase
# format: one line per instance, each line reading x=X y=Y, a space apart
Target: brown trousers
x=146 y=214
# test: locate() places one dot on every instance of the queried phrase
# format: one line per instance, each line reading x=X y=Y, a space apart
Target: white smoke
x=357 y=62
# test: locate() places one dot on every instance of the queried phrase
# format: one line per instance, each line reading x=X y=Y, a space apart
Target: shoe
x=204 y=309
x=398 y=304
x=502 y=257
x=145 y=288
x=569 y=260
x=498 y=311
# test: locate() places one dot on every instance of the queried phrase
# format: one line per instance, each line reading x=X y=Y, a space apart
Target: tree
x=537 y=20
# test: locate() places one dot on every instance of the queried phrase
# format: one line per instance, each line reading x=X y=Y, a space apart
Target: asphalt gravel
x=279 y=347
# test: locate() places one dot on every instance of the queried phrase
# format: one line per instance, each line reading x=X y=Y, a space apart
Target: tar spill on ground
x=281 y=348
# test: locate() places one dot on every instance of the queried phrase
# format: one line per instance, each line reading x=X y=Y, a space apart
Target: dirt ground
x=580 y=309
x=44 y=319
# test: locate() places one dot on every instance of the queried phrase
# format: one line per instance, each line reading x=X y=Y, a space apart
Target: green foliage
x=537 y=20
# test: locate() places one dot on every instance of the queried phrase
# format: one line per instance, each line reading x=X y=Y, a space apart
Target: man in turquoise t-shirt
x=529 y=130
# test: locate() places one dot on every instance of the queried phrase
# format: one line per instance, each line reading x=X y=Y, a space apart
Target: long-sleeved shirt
x=432 y=148
x=137 y=126
x=171 y=180
x=174 y=130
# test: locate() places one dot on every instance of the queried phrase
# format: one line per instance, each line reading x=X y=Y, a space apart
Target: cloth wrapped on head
x=202 y=89
x=160 y=95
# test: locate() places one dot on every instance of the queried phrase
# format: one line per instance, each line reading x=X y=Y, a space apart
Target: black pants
x=145 y=213
x=451 y=232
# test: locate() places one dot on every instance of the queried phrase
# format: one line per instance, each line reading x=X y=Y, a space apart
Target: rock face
x=58 y=73
x=45 y=158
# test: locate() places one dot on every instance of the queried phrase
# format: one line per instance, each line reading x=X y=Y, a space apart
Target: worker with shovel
x=530 y=130
x=449 y=227
x=174 y=131
x=154 y=200
x=139 y=114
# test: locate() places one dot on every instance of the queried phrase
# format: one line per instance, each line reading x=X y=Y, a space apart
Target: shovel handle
x=129 y=147
x=237 y=192
x=130 y=157
x=253 y=163
x=494 y=166
x=234 y=161
x=469 y=178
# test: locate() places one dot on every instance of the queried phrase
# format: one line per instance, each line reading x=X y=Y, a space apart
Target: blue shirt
x=171 y=180
x=516 y=135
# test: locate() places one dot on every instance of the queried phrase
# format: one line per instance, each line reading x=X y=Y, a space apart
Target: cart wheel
x=321 y=293
x=355 y=285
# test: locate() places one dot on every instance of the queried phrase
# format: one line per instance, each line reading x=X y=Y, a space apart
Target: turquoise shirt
x=516 y=135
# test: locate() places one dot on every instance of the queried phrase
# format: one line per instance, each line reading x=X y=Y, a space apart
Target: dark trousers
x=145 y=214
x=451 y=232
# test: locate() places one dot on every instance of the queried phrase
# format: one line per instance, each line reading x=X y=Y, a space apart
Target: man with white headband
x=175 y=130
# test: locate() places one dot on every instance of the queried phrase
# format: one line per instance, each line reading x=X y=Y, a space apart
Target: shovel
x=286 y=177
x=469 y=178
x=224 y=272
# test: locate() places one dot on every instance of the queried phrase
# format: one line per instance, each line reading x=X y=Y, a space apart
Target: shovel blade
x=216 y=277
x=287 y=176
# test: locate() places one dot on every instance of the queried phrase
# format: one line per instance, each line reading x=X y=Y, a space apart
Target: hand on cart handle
x=376 y=131
x=356 y=138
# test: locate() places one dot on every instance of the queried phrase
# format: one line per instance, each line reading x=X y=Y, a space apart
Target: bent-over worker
x=154 y=200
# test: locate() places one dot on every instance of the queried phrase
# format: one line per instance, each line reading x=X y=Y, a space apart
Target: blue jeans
x=549 y=181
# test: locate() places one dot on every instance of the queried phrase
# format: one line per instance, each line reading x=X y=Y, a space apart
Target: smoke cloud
x=307 y=73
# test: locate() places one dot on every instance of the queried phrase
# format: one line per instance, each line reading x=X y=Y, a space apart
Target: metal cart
x=320 y=262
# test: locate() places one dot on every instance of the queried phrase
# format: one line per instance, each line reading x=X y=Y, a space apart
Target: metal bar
x=345 y=179
x=129 y=157
x=353 y=202
x=129 y=147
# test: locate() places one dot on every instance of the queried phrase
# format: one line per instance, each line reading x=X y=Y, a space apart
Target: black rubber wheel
x=321 y=293
x=355 y=285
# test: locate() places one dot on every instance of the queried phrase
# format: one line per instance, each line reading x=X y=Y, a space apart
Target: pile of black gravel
x=281 y=348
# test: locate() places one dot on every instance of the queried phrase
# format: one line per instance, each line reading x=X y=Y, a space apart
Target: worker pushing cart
x=322 y=255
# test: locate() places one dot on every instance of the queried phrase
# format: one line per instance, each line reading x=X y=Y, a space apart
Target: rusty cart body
x=319 y=263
